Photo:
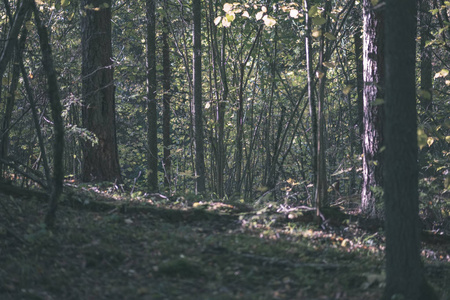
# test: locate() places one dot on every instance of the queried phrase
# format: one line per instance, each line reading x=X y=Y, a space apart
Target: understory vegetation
x=113 y=246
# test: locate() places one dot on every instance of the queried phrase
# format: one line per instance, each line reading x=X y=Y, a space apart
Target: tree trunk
x=426 y=77
x=11 y=40
x=311 y=99
x=373 y=57
x=101 y=160
x=404 y=271
x=152 y=114
x=197 y=99
x=167 y=94
x=359 y=83
x=10 y=99
x=58 y=125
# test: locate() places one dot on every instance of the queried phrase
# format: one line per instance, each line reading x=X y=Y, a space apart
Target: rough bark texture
x=101 y=162
x=373 y=114
x=404 y=271
x=152 y=114
x=166 y=104
x=197 y=107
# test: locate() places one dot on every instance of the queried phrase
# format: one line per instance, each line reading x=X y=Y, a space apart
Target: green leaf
x=329 y=36
x=377 y=102
x=312 y=11
x=319 y=21
x=329 y=64
x=65 y=3
x=422 y=138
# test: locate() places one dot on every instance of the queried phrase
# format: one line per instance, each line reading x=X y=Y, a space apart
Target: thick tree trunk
x=404 y=272
x=152 y=114
x=359 y=83
x=197 y=99
x=167 y=94
x=373 y=56
x=101 y=160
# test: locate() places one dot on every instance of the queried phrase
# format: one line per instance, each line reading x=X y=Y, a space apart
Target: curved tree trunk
x=58 y=125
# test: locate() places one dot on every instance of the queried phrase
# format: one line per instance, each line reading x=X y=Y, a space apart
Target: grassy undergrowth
x=117 y=248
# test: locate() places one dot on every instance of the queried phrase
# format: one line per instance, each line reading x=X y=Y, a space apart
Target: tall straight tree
x=101 y=160
x=373 y=65
x=152 y=114
x=404 y=272
x=197 y=99
x=166 y=102
x=311 y=99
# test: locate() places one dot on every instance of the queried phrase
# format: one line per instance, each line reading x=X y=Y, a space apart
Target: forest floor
x=114 y=247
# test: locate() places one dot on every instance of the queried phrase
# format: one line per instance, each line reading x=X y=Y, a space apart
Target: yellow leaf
x=316 y=33
x=230 y=17
x=225 y=22
x=227 y=7
x=447 y=139
x=269 y=21
x=293 y=13
x=64 y=3
x=430 y=141
x=259 y=15
x=441 y=73
x=320 y=74
x=347 y=89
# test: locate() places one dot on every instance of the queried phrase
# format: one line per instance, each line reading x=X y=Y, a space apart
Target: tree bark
x=167 y=94
x=197 y=99
x=58 y=125
x=404 y=272
x=101 y=160
x=373 y=60
x=311 y=99
x=426 y=77
x=152 y=114
x=13 y=34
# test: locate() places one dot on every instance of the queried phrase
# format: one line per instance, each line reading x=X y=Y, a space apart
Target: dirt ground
x=107 y=247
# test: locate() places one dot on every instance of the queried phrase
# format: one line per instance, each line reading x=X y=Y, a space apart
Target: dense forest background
x=256 y=115
x=254 y=104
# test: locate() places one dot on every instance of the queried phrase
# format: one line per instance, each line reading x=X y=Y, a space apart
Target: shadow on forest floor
x=111 y=248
